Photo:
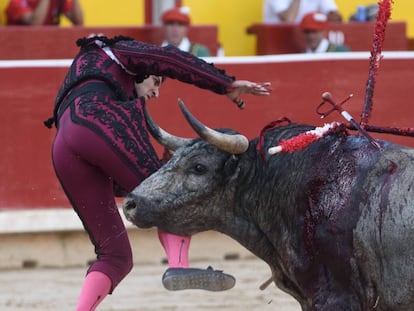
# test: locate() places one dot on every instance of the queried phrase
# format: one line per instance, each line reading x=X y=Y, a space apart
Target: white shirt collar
x=322 y=47
x=185 y=44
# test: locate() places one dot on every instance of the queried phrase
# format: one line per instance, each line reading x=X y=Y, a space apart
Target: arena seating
x=288 y=38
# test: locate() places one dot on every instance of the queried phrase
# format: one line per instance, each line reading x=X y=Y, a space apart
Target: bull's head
x=191 y=192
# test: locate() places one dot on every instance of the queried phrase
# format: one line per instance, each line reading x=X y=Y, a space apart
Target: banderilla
x=327 y=98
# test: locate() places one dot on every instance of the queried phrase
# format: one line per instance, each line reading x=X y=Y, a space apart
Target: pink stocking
x=95 y=288
x=176 y=247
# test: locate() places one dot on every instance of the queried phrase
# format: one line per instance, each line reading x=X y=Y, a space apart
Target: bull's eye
x=200 y=168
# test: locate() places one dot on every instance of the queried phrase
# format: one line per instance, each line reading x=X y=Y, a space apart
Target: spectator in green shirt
x=315 y=26
x=176 y=22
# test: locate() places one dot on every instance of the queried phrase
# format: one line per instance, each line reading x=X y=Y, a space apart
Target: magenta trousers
x=83 y=162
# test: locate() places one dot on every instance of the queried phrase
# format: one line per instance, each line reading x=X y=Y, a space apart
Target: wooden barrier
x=50 y=42
x=27 y=93
x=288 y=38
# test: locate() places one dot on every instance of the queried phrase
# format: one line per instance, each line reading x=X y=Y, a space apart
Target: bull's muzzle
x=129 y=206
x=135 y=211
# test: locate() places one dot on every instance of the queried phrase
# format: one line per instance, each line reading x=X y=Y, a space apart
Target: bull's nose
x=129 y=205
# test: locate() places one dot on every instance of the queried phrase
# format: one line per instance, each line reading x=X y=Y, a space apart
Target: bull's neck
x=251 y=237
x=262 y=207
x=249 y=209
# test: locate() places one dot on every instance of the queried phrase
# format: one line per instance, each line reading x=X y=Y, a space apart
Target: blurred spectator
x=176 y=22
x=292 y=11
x=371 y=12
x=315 y=26
x=43 y=12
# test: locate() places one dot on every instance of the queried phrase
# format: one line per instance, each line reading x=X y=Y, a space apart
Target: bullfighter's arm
x=142 y=59
x=148 y=59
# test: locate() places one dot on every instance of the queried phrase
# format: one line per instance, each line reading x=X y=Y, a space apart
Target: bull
x=335 y=221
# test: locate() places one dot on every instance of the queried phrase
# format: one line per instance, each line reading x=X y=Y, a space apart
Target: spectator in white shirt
x=292 y=11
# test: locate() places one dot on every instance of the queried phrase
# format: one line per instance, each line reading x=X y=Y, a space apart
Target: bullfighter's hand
x=239 y=87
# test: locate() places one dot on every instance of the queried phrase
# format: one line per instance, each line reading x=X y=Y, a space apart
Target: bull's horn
x=235 y=144
x=166 y=139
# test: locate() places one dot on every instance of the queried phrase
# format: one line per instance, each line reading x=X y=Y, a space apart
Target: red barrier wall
x=27 y=95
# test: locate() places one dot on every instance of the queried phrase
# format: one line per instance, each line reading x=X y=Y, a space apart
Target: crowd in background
x=41 y=12
x=177 y=21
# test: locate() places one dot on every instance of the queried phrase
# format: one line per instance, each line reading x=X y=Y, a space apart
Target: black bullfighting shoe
x=192 y=278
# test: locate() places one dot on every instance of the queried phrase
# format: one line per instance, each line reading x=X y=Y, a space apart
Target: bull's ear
x=231 y=169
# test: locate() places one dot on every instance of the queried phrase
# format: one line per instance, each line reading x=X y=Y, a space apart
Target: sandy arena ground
x=43 y=289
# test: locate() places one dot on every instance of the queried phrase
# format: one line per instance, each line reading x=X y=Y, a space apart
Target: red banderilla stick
x=328 y=98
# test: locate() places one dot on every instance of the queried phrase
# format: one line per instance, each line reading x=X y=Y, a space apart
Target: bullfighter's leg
x=96 y=287
x=176 y=247
x=90 y=192
x=178 y=276
x=77 y=152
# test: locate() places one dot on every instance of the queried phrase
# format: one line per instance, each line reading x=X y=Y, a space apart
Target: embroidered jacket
x=99 y=90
